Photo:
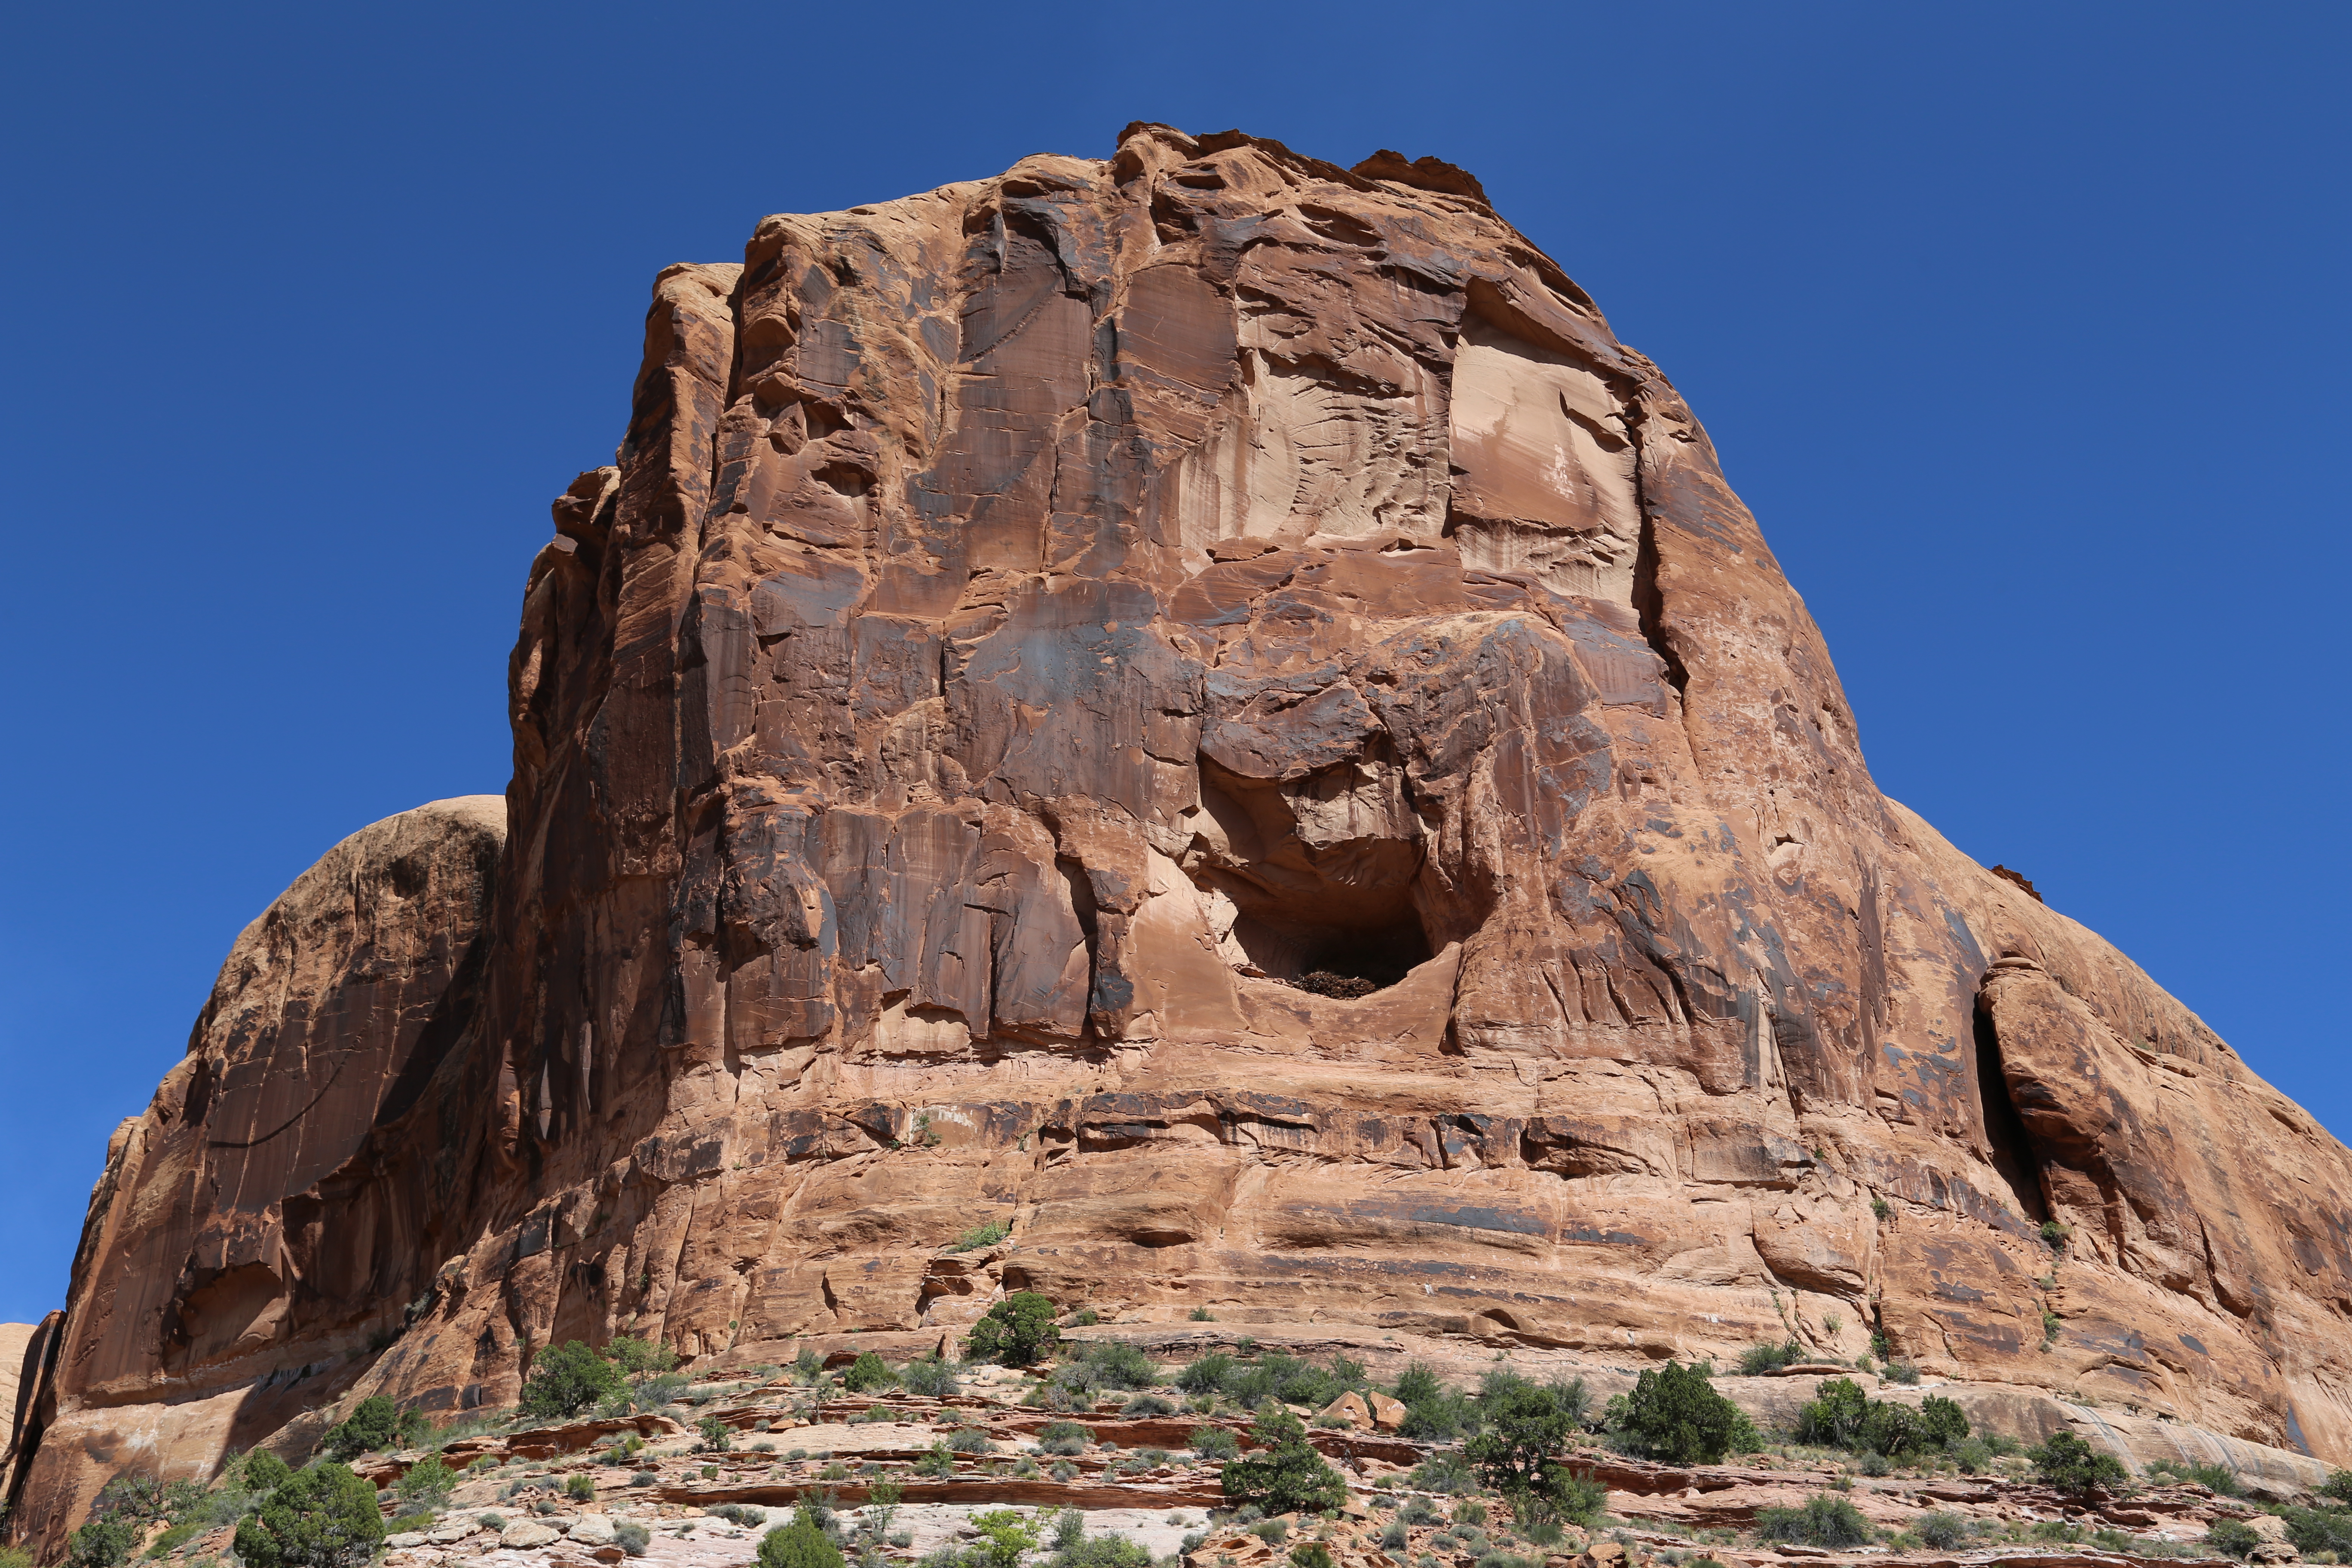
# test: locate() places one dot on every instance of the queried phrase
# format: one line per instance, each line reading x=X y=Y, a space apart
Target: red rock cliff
x=1029 y=625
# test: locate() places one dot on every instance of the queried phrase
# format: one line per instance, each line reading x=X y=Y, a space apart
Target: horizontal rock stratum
x=1031 y=626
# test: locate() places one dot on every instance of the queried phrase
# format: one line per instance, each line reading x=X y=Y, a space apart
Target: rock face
x=1029 y=627
x=247 y=1241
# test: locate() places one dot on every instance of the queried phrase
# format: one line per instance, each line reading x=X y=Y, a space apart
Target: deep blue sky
x=2023 y=329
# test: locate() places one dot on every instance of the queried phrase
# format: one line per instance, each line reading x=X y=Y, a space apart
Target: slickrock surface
x=1030 y=627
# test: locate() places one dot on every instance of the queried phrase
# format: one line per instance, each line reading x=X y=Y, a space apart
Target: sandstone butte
x=1029 y=625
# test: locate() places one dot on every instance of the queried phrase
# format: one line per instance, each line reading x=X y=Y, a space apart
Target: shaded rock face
x=1032 y=624
x=246 y=1243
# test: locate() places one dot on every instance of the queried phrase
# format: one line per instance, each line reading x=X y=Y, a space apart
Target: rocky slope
x=1031 y=628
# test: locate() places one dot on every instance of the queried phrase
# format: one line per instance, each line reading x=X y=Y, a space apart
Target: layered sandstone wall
x=1031 y=623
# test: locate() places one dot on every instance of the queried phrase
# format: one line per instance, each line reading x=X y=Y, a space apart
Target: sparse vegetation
x=1017 y=1330
x=2066 y=1463
x=1825 y=1520
x=1286 y=1476
x=987 y=1233
x=1675 y=1413
x=1759 y=1359
x=324 y=1517
x=567 y=1380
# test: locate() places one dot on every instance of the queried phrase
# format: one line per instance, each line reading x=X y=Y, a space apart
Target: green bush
x=1675 y=1413
x=1288 y=1476
x=868 y=1371
x=569 y=1379
x=428 y=1483
x=1016 y=1331
x=2067 y=1464
x=1206 y=1375
x=744 y=1514
x=1434 y=1411
x=637 y=1357
x=580 y=1488
x=632 y=1537
x=2338 y=1486
x=799 y=1545
x=2317 y=1530
x=980 y=1236
x=1004 y=1536
x=1102 y=1552
x=1148 y=1405
x=1063 y=1437
x=929 y=1377
x=102 y=1542
x=1902 y=1372
x=2232 y=1538
x=324 y=1517
x=1942 y=1531
x=1757 y=1359
x=2219 y=1479
x=1525 y=1427
x=1311 y=1555
x=1119 y=1365
x=372 y=1427
x=1444 y=1472
x=715 y=1436
x=1824 y=1521
x=1215 y=1444
x=1840 y=1417
x=161 y=1545
x=263 y=1470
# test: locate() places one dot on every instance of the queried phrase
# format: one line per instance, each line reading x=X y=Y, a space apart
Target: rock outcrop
x=1030 y=629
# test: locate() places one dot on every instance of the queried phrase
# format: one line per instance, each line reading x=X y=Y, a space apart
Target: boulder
x=525 y=1533
x=1388 y=1414
x=1349 y=1408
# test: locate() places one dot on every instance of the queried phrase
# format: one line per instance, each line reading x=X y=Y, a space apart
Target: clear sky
x=2021 y=327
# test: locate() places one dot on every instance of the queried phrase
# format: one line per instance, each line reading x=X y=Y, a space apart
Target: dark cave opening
x=2010 y=1145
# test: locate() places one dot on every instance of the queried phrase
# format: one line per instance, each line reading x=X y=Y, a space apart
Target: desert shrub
x=1063 y=1437
x=2338 y=1486
x=1444 y=1471
x=929 y=1377
x=1525 y=1427
x=263 y=1470
x=1005 y=1535
x=653 y=1393
x=984 y=1235
x=1206 y=1375
x=580 y=1488
x=637 y=1358
x=1288 y=1476
x=1757 y=1359
x=1833 y=1416
x=1215 y=1444
x=868 y=1371
x=324 y=1517
x=970 y=1440
x=801 y=1543
x=740 y=1513
x=1942 y=1531
x=715 y=1436
x=2232 y=1538
x=162 y=1544
x=373 y=1425
x=632 y=1537
x=1148 y=1405
x=2067 y=1464
x=428 y=1484
x=1675 y=1413
x=2219 y=1479
x=1103 y=1552
x=1016 y=1331
x=1272 y=1531
x=1121 y=1367
x=568 y=1379
x=102 y=1542
x=1434 y=1412
x=1417 y=1510
x=938 y=1462
x=2317 y=1530
x=1311 y=1555
x=1824 y=1521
